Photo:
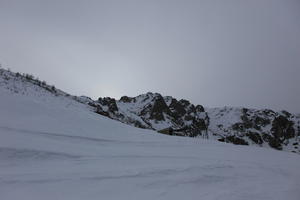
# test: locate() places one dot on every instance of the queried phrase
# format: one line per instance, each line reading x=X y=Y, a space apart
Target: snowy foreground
x=55 y=148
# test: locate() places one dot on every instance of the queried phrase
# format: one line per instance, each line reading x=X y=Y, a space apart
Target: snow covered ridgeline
x=153 y=111
x=266 y=128
x=26 y=84
x=279 y=130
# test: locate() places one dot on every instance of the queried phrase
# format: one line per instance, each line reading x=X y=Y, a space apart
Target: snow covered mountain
x=167 y=115
x=153 y=111
x=53 y=146
x=279 y=130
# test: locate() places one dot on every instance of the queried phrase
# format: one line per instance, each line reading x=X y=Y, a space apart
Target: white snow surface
x=53 y=147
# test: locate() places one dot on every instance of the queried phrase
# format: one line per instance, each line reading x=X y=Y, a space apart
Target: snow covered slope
x=167 y=115
x=54 y=147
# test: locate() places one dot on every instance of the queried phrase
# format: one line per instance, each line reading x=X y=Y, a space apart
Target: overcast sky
x=214 y=53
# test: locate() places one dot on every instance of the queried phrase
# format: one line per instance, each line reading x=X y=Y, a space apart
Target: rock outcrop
x=153 y=111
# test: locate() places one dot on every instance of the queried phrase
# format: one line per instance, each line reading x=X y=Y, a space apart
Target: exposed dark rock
x=110 y=102
x=126 y=99
x=245 y=110
x=199 y=124
x=266 y=137
x=255 y=137
x=236 y=140
x=195 y=132
x=268 y=111
x=184 y=102
x=286 y=113
x=92 y=104
x=200 y=108
x=238 y=127
x=275 y=143
x=167 y=131
x=246 y=121
x=188 y=117
x=261 y=121
x=220 y=126
x=159 y=107
x=177 y=109
x=100 y=111
x=282 y=128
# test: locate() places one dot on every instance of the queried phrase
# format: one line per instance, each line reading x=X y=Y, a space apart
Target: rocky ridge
x=154 y=111
x=167 y=115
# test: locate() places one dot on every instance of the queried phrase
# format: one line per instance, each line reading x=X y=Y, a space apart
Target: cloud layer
x=215 y=53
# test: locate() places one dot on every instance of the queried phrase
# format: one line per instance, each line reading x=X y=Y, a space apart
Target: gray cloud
x=215 y=53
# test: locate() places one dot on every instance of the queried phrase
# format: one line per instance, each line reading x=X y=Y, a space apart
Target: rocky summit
x=241 y=126
x=154 y=111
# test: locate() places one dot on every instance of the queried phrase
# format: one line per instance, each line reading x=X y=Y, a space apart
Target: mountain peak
x=167 y=115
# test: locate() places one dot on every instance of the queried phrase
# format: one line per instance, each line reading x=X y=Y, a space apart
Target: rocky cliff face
x=242 y=126
x=153 y=111
x=279 y=130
